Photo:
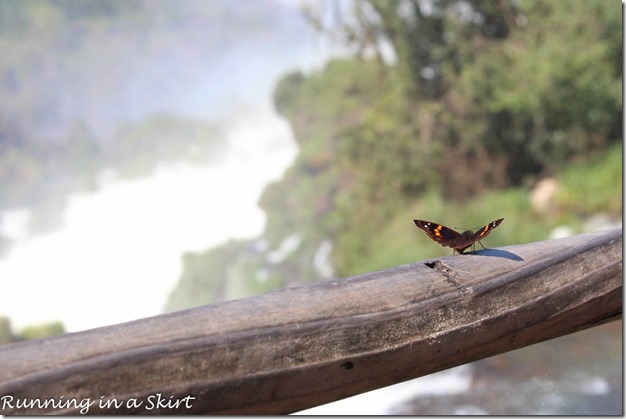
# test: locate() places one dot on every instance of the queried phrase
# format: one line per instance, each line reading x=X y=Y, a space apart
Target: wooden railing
x=303 y=346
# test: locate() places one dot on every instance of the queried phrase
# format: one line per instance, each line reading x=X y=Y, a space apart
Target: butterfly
x=458 y=241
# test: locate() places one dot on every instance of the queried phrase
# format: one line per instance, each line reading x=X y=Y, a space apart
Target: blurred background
x=157 y=155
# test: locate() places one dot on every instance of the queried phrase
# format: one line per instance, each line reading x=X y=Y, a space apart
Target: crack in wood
x=449 y=274
x=348 y=365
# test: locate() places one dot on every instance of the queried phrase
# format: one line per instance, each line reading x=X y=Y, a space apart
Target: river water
x=118 y=254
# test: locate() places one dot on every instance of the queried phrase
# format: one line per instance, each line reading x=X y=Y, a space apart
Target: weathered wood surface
x=303 y=346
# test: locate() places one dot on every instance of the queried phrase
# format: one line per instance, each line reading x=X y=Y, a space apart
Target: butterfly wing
x=439 y=233
x=483 y=232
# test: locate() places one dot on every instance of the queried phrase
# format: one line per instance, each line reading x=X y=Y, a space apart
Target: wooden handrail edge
x=299 y=347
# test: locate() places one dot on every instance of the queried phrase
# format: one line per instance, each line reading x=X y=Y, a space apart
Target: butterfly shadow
x=498 y=253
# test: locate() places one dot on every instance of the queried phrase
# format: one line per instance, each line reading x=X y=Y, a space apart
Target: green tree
x=526 y=86
x=482 y=95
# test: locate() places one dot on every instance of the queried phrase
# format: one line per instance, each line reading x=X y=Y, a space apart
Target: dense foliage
x=481 y=96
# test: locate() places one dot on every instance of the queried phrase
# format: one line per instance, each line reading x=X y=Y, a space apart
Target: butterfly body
x=446 y=236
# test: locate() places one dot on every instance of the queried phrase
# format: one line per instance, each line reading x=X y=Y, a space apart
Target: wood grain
x=303 y=346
